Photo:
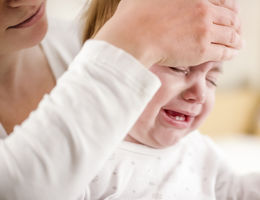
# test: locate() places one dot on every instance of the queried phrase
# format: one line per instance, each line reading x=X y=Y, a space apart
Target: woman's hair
x=96 y=15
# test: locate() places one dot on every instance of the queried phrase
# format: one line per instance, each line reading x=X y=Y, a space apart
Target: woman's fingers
x=226 y=17
x=221 y=53
x=226 y=29
x=230 y=4
x=175 y=32
x=226 y=36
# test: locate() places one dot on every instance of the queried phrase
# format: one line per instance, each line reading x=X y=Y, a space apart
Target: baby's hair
x=96 y=15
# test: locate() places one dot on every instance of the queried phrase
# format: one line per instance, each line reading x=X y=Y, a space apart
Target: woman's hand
x=175 y=32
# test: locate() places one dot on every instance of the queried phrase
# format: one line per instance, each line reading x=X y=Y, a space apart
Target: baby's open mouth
x=177 y=116
x=178 y=119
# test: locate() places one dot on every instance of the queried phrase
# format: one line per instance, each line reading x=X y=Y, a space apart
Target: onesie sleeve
x=232 y=186
x=62 y=145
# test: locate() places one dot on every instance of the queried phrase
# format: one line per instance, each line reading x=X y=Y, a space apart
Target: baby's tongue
x=174 y=114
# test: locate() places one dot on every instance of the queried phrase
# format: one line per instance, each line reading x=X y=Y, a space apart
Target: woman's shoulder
x=61 y=44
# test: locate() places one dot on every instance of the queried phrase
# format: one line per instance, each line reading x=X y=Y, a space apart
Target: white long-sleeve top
x=61 y=147
x=193 y=169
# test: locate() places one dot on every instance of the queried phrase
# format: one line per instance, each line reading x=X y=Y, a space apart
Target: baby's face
x=184 y=100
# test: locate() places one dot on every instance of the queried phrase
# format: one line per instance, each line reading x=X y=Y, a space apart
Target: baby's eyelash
x=213 y=83
x=179 y=70
x=186 y=71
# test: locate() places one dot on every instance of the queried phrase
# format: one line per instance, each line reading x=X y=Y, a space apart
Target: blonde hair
x=96 y=15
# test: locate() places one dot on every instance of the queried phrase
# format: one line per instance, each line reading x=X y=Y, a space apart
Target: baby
x=163 y=157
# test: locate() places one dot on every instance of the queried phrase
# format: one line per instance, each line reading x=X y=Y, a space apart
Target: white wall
x=65 y=9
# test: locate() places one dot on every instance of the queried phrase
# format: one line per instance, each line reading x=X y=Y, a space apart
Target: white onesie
x=192 y=169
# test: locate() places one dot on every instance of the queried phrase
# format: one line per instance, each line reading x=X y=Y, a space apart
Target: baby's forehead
x=210 y=67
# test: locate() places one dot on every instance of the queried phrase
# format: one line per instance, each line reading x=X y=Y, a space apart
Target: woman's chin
x=18 y=39
x=38 y=34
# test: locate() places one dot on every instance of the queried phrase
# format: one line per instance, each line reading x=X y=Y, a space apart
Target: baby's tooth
x=178 y=118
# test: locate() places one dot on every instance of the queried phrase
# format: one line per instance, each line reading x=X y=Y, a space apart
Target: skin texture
x=175 y=33
x=189 y=90
x=25 y=75
x=14 y=12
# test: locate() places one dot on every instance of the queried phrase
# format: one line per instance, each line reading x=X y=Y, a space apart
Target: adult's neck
x=10 y=67
x=18 y=67
x=25 y=76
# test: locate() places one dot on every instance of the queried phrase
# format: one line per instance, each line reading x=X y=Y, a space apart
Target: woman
x=57 y=150
x=24 y=24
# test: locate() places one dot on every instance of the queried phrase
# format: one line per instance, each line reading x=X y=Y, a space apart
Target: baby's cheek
x=201 y=117
x=210 y=104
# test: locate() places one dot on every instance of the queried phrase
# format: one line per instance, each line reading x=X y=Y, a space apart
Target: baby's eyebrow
x=217 y=68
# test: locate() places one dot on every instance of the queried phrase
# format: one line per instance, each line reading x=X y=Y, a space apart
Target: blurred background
x=235 y=121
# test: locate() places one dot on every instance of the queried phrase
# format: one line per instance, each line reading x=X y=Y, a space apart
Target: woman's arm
x=57 y=151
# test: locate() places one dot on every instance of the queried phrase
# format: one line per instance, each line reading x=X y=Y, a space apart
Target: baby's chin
x=161 y=141
x=177 y=138
x=165 y=143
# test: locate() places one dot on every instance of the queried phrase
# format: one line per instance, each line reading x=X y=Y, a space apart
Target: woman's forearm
x=56 y=152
